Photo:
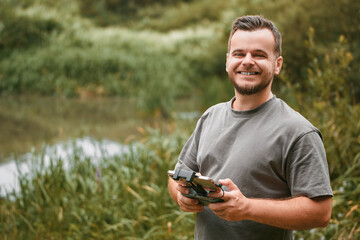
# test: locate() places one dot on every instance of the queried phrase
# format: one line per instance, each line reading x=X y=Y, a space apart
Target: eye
x=259 y=56
x=238 y=54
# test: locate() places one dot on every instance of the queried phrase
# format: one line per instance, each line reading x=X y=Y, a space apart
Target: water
x=30 y=124
x=89 y=148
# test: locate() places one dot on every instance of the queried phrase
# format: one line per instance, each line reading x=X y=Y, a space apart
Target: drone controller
x=199 y=186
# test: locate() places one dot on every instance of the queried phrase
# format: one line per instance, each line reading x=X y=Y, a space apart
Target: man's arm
x=296 y=213
x=186 y=204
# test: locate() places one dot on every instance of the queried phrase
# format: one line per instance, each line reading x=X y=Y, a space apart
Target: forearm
x=295 y=213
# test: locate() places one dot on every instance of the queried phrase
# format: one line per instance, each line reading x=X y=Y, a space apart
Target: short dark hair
x=256 y=22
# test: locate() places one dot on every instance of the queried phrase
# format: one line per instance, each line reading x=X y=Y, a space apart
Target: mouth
x=249 y=73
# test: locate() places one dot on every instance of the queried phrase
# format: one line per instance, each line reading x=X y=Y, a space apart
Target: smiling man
x=270 y=159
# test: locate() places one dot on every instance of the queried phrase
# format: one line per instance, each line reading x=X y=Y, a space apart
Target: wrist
x=247 y=211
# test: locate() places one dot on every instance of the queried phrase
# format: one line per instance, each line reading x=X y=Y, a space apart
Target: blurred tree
x=331 y=19
x=22 y=31
x=108 y=12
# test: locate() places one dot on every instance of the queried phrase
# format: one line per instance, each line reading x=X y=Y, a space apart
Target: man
x=270 y=159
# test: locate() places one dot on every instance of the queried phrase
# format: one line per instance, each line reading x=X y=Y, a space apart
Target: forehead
x=261 y=39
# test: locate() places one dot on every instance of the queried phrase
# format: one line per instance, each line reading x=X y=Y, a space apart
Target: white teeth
x=249 y=73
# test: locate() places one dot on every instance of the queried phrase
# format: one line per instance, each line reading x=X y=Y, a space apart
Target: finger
x=224 y=195
x=217 y=194
x=182 y=189
x=189 y=204
x=229 y=184
x=193 y=208
x=218 y=207
x=188 y=201
x=220 y=213
x=182 y=183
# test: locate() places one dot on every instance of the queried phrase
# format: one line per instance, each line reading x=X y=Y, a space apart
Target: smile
x=249 y=73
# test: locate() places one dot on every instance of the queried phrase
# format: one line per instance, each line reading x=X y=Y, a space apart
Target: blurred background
x=98 y=97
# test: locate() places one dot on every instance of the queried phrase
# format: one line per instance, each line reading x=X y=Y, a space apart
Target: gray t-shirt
x=268 y=152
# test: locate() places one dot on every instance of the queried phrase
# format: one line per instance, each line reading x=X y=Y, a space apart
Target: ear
x=278 y=65
x=227 y=62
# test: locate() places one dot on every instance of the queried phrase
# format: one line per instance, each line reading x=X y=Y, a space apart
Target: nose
x=247 y=60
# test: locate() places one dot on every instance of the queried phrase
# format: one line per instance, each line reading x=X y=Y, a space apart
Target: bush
x=110 y=12
x=22 y=31
x=181 y=15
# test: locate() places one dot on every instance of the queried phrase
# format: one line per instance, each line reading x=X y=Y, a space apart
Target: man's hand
x=234 y=207
x=186 y=204
x=297 y=213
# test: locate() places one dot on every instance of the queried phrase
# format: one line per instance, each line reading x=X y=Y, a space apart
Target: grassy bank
x=122 y=197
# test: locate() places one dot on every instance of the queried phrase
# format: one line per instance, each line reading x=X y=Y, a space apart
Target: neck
x=249 y=102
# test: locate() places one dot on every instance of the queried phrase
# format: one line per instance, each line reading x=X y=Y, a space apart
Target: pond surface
x=29 y=122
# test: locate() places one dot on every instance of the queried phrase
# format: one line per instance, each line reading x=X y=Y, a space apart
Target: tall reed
x=121 y=197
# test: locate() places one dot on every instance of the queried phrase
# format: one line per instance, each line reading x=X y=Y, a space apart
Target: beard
x=250 y=90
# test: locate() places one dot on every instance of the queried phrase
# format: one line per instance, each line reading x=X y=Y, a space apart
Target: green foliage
x=124 y=64
x=330 y=104
x=122 y=197
x=22 y=31
x=109 y=12
x=180 y=15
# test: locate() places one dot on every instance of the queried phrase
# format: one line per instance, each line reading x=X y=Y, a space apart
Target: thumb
x=229 y=184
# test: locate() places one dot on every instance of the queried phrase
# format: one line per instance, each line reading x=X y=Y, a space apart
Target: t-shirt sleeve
x=187 y=157
x=307 y=168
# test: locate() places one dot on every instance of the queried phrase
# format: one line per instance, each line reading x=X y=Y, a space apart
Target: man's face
x=251 y=62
